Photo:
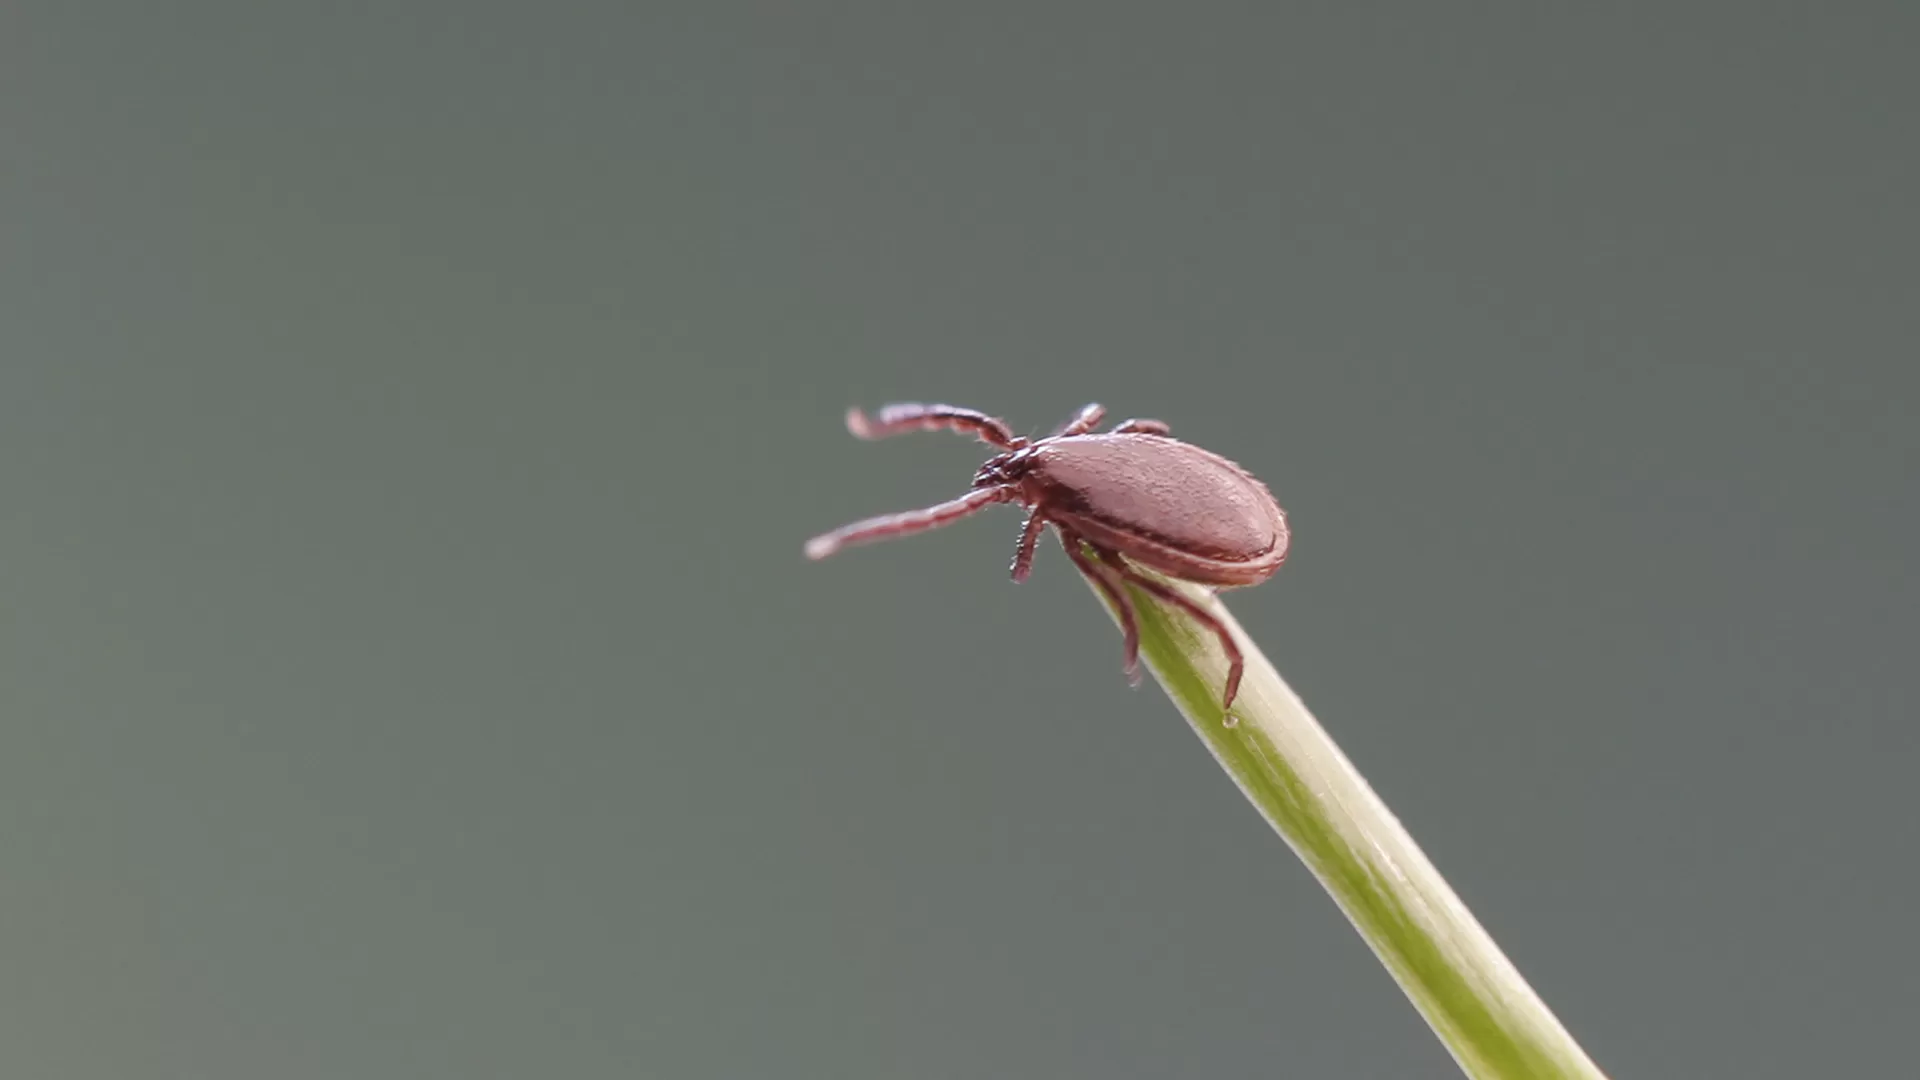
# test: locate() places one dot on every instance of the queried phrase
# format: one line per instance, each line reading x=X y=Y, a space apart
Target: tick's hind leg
x=1142 y=427
x=1236 y=664
x=1108 y=582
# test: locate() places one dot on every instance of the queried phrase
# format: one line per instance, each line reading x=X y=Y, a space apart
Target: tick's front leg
x=912 y=521
x=1082 y=422
x=1029 y=536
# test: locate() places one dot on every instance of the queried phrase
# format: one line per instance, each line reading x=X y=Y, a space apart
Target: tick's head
x=1006 y=469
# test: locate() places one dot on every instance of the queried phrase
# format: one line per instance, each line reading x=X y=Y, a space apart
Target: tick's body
x=1134 y=495
x=1165 y=504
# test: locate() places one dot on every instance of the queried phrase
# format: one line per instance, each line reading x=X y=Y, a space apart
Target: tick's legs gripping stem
x=1108 y=582
x=1083 y=421
x=1142 y=427
x=1236 y=664
x=913 y=521
x=900 y=419
x=1029 y=536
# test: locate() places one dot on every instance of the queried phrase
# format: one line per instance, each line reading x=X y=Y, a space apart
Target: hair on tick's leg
x=1108 y=582
x=1142 y=427
x=889 y=526
x=899 y=419
x=1083 y=421
x=1236 y=664
x=1029 y=536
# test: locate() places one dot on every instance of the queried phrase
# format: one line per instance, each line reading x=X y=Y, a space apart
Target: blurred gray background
x=410 y=416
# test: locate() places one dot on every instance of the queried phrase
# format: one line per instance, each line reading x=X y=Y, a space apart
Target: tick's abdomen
x=1159 y=489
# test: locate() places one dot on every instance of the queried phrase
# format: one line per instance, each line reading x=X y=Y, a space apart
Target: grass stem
x=1283 y=760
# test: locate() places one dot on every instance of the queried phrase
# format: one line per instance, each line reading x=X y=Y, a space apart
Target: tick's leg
x=1142 y=427
x=1029 y=536
x=1083 y=421
x=900 y=419
x=913 y=521
x=1236 y=664
x=1108 y=582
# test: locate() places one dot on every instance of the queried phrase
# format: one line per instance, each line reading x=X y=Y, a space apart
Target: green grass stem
x=1470 y=994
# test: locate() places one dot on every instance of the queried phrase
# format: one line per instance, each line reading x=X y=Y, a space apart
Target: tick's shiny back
x=1160 y=489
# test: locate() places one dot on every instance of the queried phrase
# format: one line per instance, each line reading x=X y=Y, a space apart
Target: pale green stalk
x=1476 y=1001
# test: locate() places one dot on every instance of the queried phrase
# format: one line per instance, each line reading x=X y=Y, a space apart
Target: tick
x=1134 y=496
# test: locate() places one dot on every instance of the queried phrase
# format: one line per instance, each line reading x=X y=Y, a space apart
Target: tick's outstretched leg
x=900 y=419
x=1142 y=427
x=1083 y=421
x=1108 y=582
x=1029 y=536
x=913 y=521
x=1236 y=664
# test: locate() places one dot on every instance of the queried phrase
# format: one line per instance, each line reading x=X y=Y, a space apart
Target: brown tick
x=1132 y=495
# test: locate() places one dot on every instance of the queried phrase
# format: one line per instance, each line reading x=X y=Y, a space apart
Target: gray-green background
x=410 y=416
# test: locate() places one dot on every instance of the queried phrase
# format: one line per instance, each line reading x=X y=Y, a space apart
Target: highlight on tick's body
x=1128 y=498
